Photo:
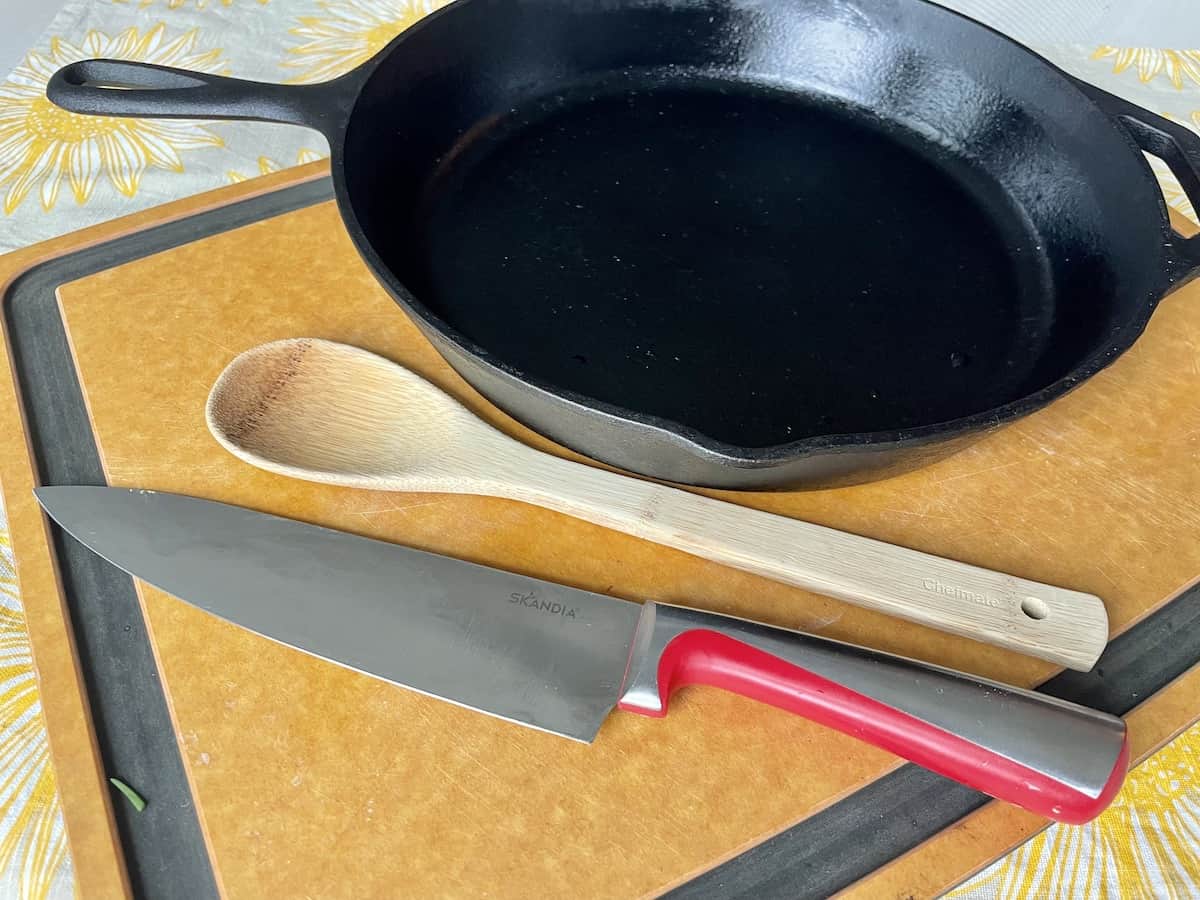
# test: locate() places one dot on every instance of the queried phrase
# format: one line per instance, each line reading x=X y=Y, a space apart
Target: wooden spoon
x=336 y=414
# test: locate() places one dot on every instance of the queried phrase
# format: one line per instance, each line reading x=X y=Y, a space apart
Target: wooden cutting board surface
x=314 y=780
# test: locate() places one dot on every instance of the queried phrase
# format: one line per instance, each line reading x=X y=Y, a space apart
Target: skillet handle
x=110 y=87
x=1175 y=145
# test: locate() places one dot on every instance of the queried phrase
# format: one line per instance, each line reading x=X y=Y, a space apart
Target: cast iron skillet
x=738 y=243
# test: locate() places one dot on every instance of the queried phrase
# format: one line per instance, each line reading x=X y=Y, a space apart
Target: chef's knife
x=559 y=659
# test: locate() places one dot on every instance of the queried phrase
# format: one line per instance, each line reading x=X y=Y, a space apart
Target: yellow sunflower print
x=40 y=144
x=1172 y=190
x=33 y=846
x=1152 y=62
x=1142 y=846
x=266 y=165
x=349 y=33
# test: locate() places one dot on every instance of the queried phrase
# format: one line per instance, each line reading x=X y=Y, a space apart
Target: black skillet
x=739 y=243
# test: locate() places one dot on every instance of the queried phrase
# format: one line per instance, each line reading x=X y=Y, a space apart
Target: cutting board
x=312 y=780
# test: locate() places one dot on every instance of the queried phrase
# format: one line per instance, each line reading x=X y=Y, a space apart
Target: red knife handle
x=1055 y=758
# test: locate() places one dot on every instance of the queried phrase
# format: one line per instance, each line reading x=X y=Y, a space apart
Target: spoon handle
x=1063 y=626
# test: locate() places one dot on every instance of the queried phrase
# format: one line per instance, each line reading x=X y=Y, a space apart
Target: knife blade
x=560 y=659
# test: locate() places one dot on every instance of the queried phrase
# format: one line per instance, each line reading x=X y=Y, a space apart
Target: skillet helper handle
x=110 y=87
x=1175 y=145
x=1054 y=758
x=1052 y=623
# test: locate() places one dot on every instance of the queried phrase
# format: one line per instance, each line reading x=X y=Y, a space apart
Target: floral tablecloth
x=60 y=172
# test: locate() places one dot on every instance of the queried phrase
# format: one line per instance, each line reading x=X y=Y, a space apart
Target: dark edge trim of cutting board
x=165 y=852
x=164 y=848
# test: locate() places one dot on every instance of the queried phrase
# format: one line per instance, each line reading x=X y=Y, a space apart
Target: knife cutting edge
x=559 y=659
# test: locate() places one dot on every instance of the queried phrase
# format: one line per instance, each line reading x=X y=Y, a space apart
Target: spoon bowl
x=329 y=412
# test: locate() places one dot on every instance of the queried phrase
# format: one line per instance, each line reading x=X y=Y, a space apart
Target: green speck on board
x=130 y=794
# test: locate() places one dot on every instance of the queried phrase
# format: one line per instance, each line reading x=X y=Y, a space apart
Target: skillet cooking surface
x=758 y=265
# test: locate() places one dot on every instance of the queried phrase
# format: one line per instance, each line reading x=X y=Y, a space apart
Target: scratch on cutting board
x=819 y=624
x=172 y=421
x=321 y=794
x=914 y=514
x=1020 y=540
x=1037 y=442
x=1116 y=565
x=365 y=513
x=1038 y=527
x=1190 y=341
x=1154 y=511
x=127 y=469
x=217 y=344
x=1088 y=414
x=474 y=796
x=1036 y=494
x=475 y=759
x=672 y=847
x=984 y=471
x=1099 y=568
